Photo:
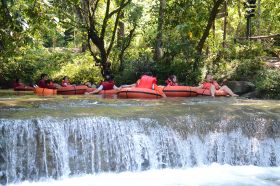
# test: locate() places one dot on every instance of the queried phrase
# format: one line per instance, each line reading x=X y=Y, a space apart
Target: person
x=44 y=82
x=146 y=81
x=107 y=84
x=90 y=85
x=65 y=82
x=18 y=83
x=212 y=85
x=171 y=81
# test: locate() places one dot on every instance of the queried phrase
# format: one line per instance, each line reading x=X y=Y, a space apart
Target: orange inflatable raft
x=45 y=91
x=24 y=88
x=206 y=92
x=72 y=90
x=105 y=92
x=136 y=93
x=179 y=91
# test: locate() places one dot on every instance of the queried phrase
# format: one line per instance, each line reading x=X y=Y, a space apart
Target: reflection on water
x=67 y=106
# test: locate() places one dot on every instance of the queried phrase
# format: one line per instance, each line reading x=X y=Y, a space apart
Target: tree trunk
x=125 y=44
x=201 y=42
x=238 y=29
x=259 y=18
x=158 y=50
x=120 y=31
x=88 y=10
x=225 y=25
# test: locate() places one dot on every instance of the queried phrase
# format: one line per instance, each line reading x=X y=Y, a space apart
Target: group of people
x=146 y=81
x=150 y=82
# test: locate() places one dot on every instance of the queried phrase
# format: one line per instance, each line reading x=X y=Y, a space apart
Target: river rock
x=241 y=87
x=253 y=94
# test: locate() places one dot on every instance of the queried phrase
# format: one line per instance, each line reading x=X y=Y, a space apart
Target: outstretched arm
x=127 y=86
x=199 y=86
x=96 y=91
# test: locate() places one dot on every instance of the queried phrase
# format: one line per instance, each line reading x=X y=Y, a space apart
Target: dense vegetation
x=183 y=37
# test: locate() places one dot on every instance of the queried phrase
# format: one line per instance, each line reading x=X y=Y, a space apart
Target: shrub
x=268 y=83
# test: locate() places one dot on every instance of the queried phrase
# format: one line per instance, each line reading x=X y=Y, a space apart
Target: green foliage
x=79 y=69
x=29 y=29
x=57 y=63
x=268 y=83
x=135 y=68
x=247 y=69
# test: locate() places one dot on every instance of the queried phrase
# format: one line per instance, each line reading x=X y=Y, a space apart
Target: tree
x=158 y=47
x=124 y=39
x=205 y=34
x=101 y=26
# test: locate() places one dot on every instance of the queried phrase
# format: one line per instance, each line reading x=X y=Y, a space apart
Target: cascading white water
x=32 y=149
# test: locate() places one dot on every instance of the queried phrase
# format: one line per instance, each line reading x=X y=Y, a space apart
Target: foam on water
x=214 y=174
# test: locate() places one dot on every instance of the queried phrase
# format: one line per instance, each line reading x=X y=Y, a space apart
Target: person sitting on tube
x=212 y=85
x=45 y=83
x=18 y=83
x=107 y=84
x=65 y=82
x=146 y=81
x=171 y=81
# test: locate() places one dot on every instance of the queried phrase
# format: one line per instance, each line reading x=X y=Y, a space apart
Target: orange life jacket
x=108 y=85
x=207 y=85
x=147 y=82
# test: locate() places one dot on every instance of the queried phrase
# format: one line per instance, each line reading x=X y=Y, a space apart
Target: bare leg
x=225 y=88
x=212 y=90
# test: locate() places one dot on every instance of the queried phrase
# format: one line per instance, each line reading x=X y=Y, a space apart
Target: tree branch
x=105 y=20
x=123 y=4
x=201 y=42
x=211 y=19
x=92 y=53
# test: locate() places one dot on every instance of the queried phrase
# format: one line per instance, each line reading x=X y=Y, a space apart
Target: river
x=88 y=140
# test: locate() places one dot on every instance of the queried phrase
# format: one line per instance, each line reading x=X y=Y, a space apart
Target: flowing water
x=89 y=140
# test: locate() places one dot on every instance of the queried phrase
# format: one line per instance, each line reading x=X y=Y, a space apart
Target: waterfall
x=51 y=147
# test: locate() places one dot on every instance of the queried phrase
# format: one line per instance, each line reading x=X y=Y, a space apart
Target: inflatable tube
x=136 y=93
x=206 y=92
x=90 y=89
x=108 y=92
x=23 y=88
x=179 y=91
x=72 y=90
x=45 y=91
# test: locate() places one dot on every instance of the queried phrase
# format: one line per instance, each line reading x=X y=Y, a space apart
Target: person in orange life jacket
x=108 y=84
x=65 y=82
x=45 y=83
x=148 y=82
x=171 y=81
x=212 y=85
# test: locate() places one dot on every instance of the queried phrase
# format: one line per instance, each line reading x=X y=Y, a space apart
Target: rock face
x=240 y=87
